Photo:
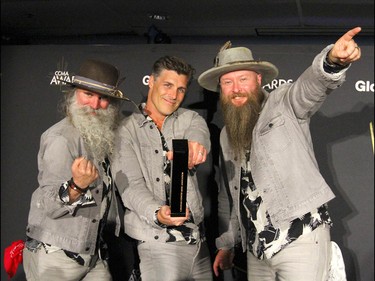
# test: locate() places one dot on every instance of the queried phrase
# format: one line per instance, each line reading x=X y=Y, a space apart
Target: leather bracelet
x=334 y=64
x=331 y=67
x=73 y=185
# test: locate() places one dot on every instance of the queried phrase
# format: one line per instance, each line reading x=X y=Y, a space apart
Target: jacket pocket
x=274 y=135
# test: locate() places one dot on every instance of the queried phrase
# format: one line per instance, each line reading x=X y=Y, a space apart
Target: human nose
x=95 y=103
x=236 y=86
x=173 y=94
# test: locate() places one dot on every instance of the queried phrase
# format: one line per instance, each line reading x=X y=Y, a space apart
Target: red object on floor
x=13 y=257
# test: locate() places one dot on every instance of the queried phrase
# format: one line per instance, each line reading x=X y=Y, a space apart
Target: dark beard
x=97 y=130
x=240 y=120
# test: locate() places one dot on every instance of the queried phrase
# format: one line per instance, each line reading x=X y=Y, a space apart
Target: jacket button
x=94 y=221
x=156 y=151
x=270 y=125
x=156 y=237
x=87 y=249
x=151 y=127
x=235 y=187
x=157 y=179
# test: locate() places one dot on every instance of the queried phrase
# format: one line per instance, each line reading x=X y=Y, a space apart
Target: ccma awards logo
x=61 y=75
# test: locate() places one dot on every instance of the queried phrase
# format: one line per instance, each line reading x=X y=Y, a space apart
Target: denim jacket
x=69 y=227
x=282 y=160
x=138 y=169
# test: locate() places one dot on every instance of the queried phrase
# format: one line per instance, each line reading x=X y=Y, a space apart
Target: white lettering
x=364 y=86
x=54 y=81
x=145 y=80
x=59 y=72
x=283 y=81
x=275 y=83
x=60 y=79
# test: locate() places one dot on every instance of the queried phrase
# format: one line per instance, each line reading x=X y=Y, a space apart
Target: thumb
x=170 y=155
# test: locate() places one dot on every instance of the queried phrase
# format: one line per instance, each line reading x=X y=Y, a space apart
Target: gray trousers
x=175 y=261
x=306 y=259
x=56 y=266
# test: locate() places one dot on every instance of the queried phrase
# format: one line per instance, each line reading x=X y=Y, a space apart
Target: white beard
x=96 y=130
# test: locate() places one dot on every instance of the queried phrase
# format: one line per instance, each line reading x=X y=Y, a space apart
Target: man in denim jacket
x=75 y=200
x=170 y=248
x=273 y=198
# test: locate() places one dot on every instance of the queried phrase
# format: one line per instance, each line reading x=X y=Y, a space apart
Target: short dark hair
x=173 y=63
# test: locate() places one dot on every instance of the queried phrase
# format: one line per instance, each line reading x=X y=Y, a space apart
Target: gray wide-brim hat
x=98 y=77
x=232 y=59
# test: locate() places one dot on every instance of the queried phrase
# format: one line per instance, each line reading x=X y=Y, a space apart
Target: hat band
x=92 y=83
x=238 y=61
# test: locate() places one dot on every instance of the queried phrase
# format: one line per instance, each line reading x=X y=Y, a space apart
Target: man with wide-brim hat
x=273 y=198
x=231 y=59
x=99 y=77
x=75 y=200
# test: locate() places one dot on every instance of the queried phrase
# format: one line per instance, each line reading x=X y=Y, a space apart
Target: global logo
x=364 y=86
x=145 y=80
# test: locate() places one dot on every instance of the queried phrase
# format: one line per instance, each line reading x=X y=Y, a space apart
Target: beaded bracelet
x=74 y=186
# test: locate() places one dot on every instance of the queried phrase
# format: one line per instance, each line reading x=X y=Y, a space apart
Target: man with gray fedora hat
x=75 y=200
x=272 y=198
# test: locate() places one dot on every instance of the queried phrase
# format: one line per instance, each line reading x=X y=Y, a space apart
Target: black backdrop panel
x=342 y=133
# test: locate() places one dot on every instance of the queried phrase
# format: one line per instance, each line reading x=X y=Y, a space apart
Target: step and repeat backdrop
x=342 y=129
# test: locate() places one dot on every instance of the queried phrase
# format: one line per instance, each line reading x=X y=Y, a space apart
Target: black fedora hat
x=99 y=77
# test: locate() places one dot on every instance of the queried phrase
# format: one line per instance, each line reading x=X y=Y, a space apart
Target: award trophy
x=179 y=177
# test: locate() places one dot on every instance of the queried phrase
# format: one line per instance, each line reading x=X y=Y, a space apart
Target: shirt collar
x=143 y=117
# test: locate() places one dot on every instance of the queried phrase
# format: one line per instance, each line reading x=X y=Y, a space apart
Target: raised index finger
x=351 y=33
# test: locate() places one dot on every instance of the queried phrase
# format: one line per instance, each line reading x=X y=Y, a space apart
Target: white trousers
x=306 y=259
x=174 y=261
x=56 y=266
